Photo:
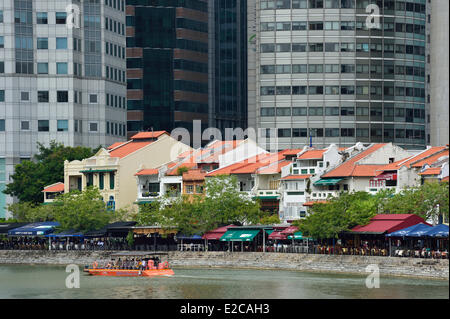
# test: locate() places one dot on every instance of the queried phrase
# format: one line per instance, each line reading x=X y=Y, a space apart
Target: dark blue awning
x=412 y=231
x=439 y=231
x=65 y=234
x=186 y=237
x=34 y=229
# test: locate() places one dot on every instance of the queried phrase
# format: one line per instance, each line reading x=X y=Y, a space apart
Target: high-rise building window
x=43 y=126
x=2 y=125
x=41 y=18
x=62 y=125
x=62 y=96
x=42 y=43
x=42 y=68
x=61 y=43
x=61 y=68
x=61 y=17
x=43 y=97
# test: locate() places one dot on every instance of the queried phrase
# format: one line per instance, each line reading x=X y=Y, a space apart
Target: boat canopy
x=139 y=254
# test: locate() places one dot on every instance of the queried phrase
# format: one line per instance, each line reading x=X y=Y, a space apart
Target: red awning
x=289 y=231
x=386 y=177
x=216 y=233
x=388 y=223
x=277 y=235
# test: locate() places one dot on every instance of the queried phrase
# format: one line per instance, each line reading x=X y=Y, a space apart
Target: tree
x=221 y=205
x=47 y=168
x=81 y=211
x=427 y=201
x=340 y=214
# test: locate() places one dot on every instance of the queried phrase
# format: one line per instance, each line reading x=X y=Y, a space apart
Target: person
x=143 y=264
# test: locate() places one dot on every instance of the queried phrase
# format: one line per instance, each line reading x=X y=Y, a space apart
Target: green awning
x=240 y=235
x=98 y=171
x=329 y=181
x=269 y=231
x=299 y=236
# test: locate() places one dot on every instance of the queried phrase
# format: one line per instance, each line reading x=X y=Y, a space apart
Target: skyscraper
x=59 y=81
x=439 y=71
x=336 y=71
x=167 y=64
x=228 y=64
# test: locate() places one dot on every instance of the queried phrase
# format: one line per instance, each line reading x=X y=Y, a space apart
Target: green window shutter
x=111 y=180
x=101 y=181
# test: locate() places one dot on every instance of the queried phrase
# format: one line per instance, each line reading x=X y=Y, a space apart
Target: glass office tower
x=323 y=74
x=167 y=64
x=228 y=64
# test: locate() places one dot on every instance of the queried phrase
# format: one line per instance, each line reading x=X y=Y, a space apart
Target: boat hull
x=131 y=273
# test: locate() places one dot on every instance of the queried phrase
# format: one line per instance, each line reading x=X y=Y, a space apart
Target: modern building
x=324 y=72
x=59 y=81
x=439 y=72
x=167 y=64
x=228 y=44
x=112 y=170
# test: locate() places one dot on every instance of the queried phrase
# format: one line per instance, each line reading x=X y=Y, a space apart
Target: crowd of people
x=131 y=264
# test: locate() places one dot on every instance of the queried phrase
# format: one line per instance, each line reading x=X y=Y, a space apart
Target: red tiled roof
x=273 y=168
x=295 y=177
x=194 y=175
x=174 y=170
x=431 y=171
x=247 y=166
x=144 y=172
x=312 y=154
x=366 y=170
x=115 y=145
x=128 y=148
x=310 y=203
x=388 y=223
x=291 y=152
x=430 y=160
x=54 y=188
x=148 y=135
x=347 y=168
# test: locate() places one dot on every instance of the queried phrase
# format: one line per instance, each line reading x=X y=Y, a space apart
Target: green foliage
x=182 y=170
x=80 y=211
x=270 y=219
x=222 y=204
x=30 y=177
x=351 y=209
x=328 y=220
x=130 y=239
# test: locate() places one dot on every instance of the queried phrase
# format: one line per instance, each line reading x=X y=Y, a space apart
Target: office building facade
x=59 y=81
x=330 y=72
x=228 y=44
x=167 y=64
x=439 y=71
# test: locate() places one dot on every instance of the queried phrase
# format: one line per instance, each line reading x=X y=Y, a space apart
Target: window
x=2 y=42
x=2 y=67
x=61 y=43
x=42 y=68
x=189 y=189
x=61 y=68
x=2 y=95
x=92 y=98
x=25 y=125
x=42 y=43
x=61 y=17
x=62 y=96
x=93 y=127
x=24 y=96
x=43 y=96
x=41 y=18
x=1 y=16
x=2 y=125
x=62 y=125
x=43 y=126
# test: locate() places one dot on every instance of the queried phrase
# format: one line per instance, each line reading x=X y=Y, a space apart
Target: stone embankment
x=389 y=266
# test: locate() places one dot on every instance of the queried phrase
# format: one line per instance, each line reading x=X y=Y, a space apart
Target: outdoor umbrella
x=440 y=231
x=416 y=229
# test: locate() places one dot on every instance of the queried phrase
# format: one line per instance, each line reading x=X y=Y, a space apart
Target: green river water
x=38 y=281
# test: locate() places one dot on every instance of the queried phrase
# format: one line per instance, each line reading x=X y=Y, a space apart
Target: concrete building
x=112 y=170
x=439 y=72
x=320 y=73
x=57 y=82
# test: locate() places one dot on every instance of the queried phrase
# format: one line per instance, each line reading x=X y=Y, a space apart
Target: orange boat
x=137 y=264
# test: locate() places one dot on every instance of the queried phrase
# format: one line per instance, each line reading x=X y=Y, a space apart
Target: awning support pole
x=264 y=241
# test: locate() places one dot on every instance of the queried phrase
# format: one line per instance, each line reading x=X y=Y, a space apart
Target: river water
x=38 y=281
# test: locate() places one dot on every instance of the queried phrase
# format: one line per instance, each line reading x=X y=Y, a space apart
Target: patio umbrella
x=440 y=231
x=416 y=230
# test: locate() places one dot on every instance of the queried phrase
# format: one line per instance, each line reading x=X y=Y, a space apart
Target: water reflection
x=21 y=281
